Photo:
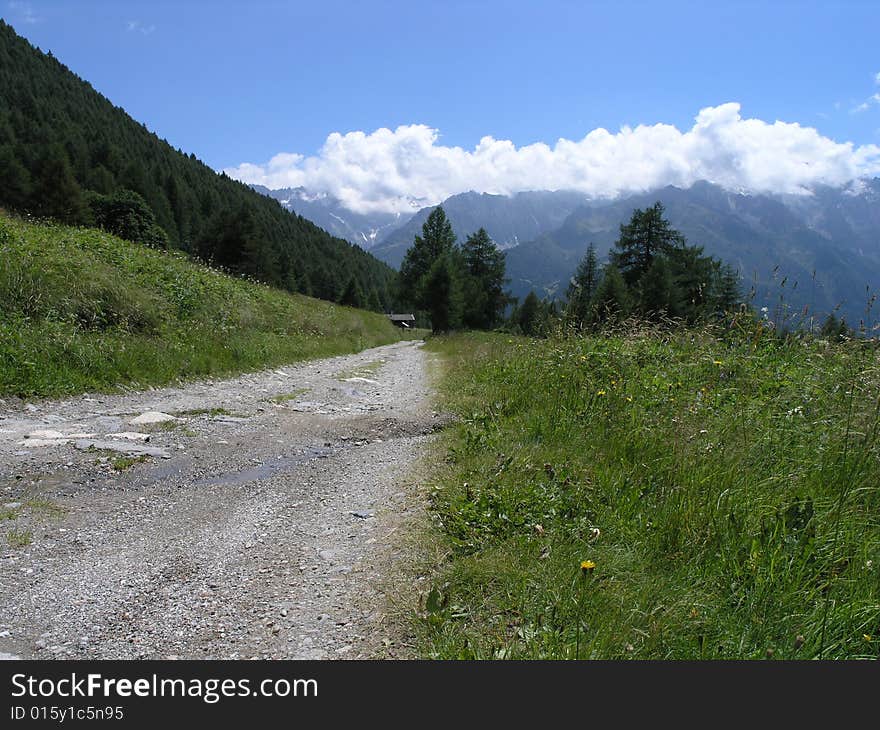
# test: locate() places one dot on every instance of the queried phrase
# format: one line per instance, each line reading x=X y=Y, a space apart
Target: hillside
x=769 y=240
x=83 y=310
x=68 y=153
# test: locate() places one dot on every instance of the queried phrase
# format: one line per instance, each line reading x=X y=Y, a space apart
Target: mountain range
x=819 y=250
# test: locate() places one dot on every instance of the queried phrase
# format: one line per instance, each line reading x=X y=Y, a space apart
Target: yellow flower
x=629 y=399
x=600 y=392
x=587 y=566
x=867 y=637
x=717 y=362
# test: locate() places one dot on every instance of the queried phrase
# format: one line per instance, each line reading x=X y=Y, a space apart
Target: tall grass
x=81 y=310
x=726 y=486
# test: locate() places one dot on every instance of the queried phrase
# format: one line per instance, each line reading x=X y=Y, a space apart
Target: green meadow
x=81 y=310
x=656 y=494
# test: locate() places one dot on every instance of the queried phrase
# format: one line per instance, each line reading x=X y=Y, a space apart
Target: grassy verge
x=81 y=310
x=657 y=496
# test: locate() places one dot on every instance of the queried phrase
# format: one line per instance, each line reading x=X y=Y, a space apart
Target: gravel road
x=261 y=523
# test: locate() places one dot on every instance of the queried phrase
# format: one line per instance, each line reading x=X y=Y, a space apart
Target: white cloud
x=136 y=25
x=877 y=78
x=387 y=170
x=23 y=12
x=867 y=104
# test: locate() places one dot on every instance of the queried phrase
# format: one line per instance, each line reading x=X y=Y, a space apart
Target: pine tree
x=612 y=301
x=528 y=316
x=436 y=241
x=485 y=265
x=352 y=296
x=658 y=293
x=56 y=194
x=694 y=275
x=582 y=288
x=728 y=294
x=442 y=295
x=647 y=235
x=15 y=180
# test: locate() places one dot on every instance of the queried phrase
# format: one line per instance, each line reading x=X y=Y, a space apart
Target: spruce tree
x=528 y=316
x=437 y=240
x=647 y=235
x=657 y=290
x=352 y=296
x=56 y=193
x=728 y=294
x=442 y=295
x=485 y=265
x=613 y=301
x=582 y=288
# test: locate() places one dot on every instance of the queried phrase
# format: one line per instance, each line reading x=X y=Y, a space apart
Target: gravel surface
x=260 y=522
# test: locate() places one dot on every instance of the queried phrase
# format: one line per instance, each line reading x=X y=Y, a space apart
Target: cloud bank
x=390 y=171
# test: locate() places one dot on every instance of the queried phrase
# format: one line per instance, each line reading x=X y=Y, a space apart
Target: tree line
x=451 y=286
x=68 y=153
x=652 y=273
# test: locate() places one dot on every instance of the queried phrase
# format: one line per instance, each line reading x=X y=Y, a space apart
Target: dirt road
x=262 y=522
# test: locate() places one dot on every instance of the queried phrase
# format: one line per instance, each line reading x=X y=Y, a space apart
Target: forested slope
x=66 y=152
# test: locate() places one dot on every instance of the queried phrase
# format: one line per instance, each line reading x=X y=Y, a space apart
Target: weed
x=285 y=397
x=19 y=538
x=46 y=507
x=121 y=463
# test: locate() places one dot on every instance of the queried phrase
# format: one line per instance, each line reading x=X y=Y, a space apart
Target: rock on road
x=259 y=522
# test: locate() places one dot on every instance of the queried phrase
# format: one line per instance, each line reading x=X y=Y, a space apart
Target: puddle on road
x=263 y=471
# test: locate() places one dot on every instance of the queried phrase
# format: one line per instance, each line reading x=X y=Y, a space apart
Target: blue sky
x=239 y=82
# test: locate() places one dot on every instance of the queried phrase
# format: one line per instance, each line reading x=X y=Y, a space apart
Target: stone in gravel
x=123 y=448
x=129 y=436
x=6 y=656
x=43 y=443
x=12 y=505
x=361 y=515
x=151 y=417
x=45 y=434
x=5 y=634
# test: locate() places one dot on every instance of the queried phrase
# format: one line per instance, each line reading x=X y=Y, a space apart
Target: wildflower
x=594 y=533
x=587 y=567
x=867 y=637
x=600 y=392
x=717 y=362
x=629 y=399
